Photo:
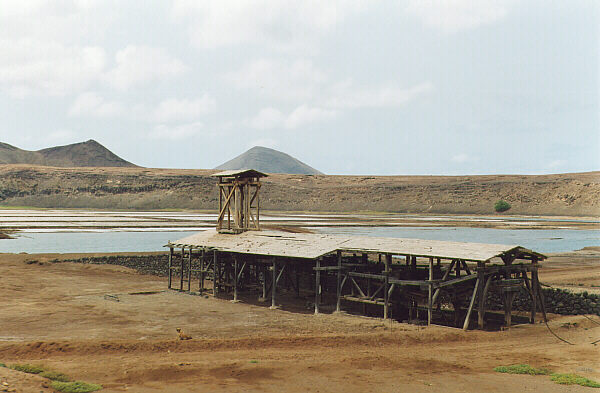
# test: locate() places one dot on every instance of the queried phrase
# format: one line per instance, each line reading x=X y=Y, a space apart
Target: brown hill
x=269 y=161
x=83 y=154
x=144 y=188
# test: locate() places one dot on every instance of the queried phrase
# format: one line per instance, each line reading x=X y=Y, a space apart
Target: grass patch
x=253 y=361
x=2 y=365
x=521 y=369
x=574 y=379
x=27 y=368
x=55 y=376
x=75 y=387
x=501 y=206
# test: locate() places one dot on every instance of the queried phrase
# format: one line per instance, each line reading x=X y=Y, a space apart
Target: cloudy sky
x=349 y=87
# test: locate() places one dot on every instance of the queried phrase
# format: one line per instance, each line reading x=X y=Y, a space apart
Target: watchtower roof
x=240 y=173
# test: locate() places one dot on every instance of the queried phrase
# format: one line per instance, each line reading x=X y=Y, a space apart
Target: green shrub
x=574 y=379
x=521 y=369
x=27 y=368
x=75 y=387
x=502 y=206
x=2 y=365
x=55 y=376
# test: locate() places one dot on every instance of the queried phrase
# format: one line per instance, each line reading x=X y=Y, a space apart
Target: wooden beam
x=388 y=263
x=430 y=294
x=215 y=274
x=339 y=281
x=170 y=266
x=189 y=277
x=274 y=285
x=181 y=272
x=455 y=281
x=470 y=309
x=317 y=285
x=235 y=279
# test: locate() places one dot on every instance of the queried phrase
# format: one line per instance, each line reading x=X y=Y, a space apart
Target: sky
x=445 y=87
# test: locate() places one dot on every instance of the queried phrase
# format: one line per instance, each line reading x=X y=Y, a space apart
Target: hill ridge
x=269 y=160
x=81 y=154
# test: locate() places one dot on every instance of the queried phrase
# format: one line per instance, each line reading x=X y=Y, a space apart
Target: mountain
x=270 y=161
x=90 y=154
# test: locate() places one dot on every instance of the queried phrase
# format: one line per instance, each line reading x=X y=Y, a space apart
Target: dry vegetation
x=573 y=194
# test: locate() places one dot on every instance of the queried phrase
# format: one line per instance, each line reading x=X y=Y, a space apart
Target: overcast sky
x=349 y=87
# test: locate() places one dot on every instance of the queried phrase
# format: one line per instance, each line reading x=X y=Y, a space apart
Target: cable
x=596 y=322
x=556 y=335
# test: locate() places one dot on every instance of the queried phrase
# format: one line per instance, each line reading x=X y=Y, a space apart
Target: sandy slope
x=144 y=188
x=57 y=314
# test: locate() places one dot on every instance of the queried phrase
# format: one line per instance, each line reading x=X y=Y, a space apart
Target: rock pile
x=557 y=301
x=146 y=264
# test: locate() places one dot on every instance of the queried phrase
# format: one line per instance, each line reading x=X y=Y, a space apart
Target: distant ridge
x=270 y=161
x=88 y=154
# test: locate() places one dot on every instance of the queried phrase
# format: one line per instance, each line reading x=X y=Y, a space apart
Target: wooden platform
x=402 y=276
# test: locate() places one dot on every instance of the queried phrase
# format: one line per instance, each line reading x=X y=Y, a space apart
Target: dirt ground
x=113 y=326
x=569 y=194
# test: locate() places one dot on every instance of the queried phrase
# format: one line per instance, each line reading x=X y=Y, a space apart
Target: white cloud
x=304 y=115
x=91 y=104
x=556 y=164
x=451 y=16
x=177 y=132
x=345 y=96
x=183 y=110
x=142 y=64
x=33 y=67
x=296 y=80
x=61 y=136
x=463 y=158
x=269 y=118
x=280 y=24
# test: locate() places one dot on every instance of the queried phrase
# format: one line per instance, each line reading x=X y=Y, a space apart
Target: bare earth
x=570 y=194
x=58 y=315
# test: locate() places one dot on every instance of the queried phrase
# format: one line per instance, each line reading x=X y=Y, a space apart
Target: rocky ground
x=111 y=325
x=144 y=188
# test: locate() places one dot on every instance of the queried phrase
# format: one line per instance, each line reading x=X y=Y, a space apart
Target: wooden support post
x=457 y=265
x=274 y=285
x=235 y=278
x=444 y=278
x=470 y=309
x=202 y=269
x=182 y=267
x=481 y=287
x=189 y=272
x=264 y=283
x=430 y=294
x=215 y=274
x=534 y=287
x=508 y=301
x=170 y=266
x=386 y=294
x=339 y=281
x=317 y=285
x=297 y=274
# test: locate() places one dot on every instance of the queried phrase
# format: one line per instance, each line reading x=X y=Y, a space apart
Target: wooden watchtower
x=239 y=202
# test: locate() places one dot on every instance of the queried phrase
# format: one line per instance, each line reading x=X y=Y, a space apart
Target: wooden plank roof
x=270 y=243
x=240 y=173
x=311 y=246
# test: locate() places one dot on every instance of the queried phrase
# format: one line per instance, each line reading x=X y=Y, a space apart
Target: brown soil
x=144 y=188
x=110 y=325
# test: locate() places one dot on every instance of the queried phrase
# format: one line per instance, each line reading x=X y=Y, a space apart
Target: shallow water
x=541 y=240
x=554 y=240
